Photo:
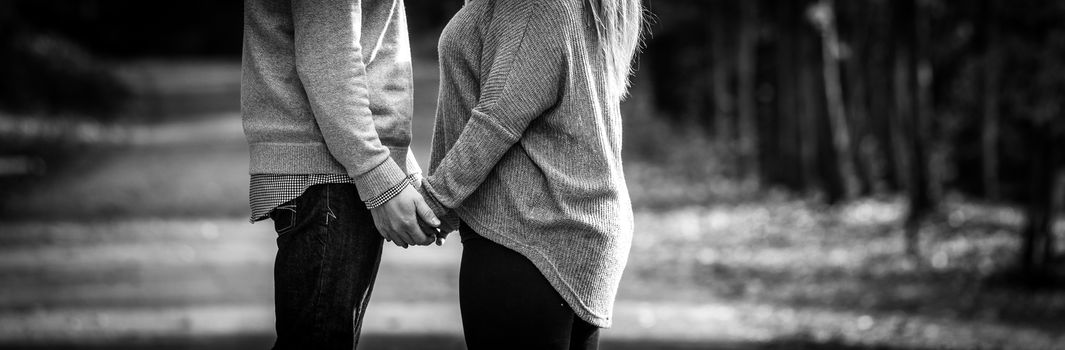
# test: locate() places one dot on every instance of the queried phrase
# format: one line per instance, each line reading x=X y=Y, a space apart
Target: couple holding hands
x=525 y=164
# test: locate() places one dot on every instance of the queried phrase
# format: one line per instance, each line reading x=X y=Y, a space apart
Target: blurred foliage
x=689 y=38
x=127 y=28
x=130 y=28
x=844 y=99
x=49 y=74
x=58 y=56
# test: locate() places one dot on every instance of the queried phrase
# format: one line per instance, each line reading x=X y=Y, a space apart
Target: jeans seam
x=364 y=301
x=323 y=271
x=328 y=207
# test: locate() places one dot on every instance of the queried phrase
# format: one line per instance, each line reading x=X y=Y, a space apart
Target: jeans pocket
x=284 y=218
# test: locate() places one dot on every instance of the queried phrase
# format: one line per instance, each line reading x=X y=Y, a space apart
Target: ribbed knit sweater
x=527 y=147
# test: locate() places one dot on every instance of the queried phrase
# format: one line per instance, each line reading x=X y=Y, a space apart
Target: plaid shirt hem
x=268 y=191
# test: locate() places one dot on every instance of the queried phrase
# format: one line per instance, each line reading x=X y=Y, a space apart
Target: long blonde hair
x=619 y=26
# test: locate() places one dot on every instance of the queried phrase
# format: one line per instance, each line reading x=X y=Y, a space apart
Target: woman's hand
x=398 y=219
x=448 y=221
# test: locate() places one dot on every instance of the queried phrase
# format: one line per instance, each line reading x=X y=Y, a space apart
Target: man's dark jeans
x=328 y=253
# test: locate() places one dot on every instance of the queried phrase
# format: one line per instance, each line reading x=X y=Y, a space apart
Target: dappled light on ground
x=841 y=272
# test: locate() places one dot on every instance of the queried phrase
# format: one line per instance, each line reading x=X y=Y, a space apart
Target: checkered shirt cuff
x=390 y=193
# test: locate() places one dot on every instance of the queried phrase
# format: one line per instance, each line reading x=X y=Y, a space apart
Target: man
x=326 y=103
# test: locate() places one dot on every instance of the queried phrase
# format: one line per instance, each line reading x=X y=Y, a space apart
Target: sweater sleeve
x=329 y=61
x=523 y=81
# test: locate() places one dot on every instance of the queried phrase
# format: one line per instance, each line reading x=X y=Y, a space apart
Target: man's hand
x=428 y=230
x=397 y=219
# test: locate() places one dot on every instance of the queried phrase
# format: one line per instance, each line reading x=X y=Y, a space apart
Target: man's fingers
x=397 y=240
x=425 y=212
x=391 y=236
x=413 y=225
x=414 y=233
x=430 y=232
x=400 y=231
x=382 y=227
x=385 y=229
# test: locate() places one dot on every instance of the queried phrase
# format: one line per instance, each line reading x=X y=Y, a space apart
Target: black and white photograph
x=532 y=174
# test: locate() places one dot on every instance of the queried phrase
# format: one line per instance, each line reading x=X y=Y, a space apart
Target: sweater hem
x=544 y=265
x=293 y=159
x=314 y=158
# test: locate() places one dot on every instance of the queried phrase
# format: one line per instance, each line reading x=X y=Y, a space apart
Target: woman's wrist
x=448 y=219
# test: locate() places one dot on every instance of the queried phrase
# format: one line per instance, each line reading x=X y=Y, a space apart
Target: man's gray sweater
x=326 y=89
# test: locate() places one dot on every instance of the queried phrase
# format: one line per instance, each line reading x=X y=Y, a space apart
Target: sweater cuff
x=379 y=180
x=389 y=194
x=449 y=222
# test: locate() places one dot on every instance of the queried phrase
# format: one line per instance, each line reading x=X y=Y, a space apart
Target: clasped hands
x=407 y=220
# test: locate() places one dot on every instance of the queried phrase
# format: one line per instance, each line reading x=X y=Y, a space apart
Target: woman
x=527 y=153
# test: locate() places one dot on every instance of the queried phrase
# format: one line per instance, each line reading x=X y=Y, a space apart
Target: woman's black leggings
x=508 y=304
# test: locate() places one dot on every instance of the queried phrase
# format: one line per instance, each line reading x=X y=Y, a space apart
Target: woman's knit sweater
x=527 y=144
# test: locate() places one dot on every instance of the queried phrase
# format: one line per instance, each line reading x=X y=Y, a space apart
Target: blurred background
x=849 y=174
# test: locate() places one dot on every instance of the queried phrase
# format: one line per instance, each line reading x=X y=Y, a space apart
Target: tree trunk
x=823 y=14
x=745 y=91
x=723 y=102
x=897 y=122
x=910 y=56
x=882 y=113
x=810 y=112
x=1037 y=246
x=788 y=109
x=989 y=127
x=864 y=147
